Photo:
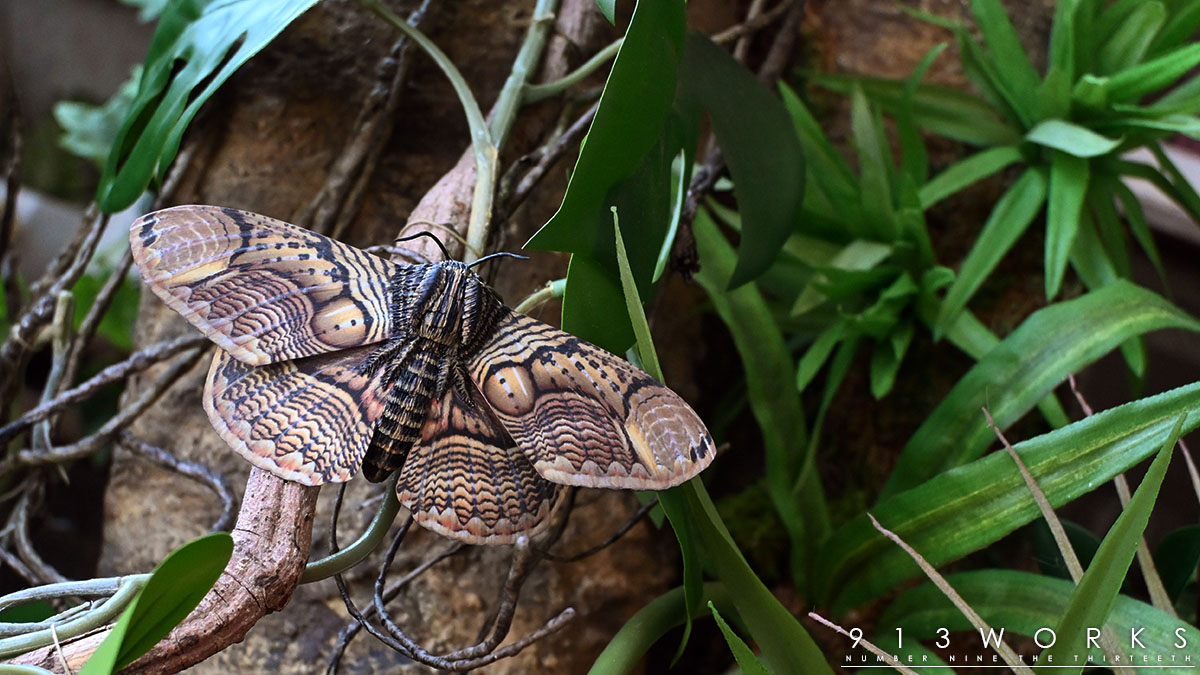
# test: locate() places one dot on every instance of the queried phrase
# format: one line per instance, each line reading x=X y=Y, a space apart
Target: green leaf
x=1176 y=558
x=623 y=653
x=818 y=353
x=747 y=662
x=964 y=509
x=196 y=47
x=774 y=400
x=886 y=360
x=1096 y=592
x=174 y=589
x=968 y=172
x=826 y=169
x=1023 y=603
x=1182 y=27
x=942 y=110
x=1027 y=365
x=1050 y=559
x=786 y=646
x=1130 y=42
x=763 y=154
x=673 y=502
x=625 y=162
x=1008 y=221
x=1132 y=83
x=1068 y=186
x=1071 y=139
x=90 y=130
x=1011 y=61
x=1062 y=39
x=609 y=9
x=914 y=158
x=874 y=167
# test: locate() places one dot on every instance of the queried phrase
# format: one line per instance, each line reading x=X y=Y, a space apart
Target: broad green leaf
x=1068 y=186
x=1176 y=558
x=760 y=148
x=174 y=589
x=673 y=502
x=747 y=662
x=1132 y=83
x=197 y=46
x=1071 y=138
x=609 y=9
x=942 y=110
x=1054 y=96
x=968 y=171
x=1023 y=603
x=90 y=130
x=1009 y=219
x=1097 y=591
x=967 y=508
x=624 y=162
x=1130 y=42
x=1011 y=61
x=1051 y=344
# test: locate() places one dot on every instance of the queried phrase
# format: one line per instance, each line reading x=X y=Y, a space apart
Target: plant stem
x=486 y=140
x=536 y=92
x=363 y=546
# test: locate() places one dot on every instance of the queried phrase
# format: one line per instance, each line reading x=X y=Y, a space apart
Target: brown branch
x=268 y=557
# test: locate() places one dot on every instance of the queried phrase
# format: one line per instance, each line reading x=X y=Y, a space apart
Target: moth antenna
x=500 y=254
x=434 y=237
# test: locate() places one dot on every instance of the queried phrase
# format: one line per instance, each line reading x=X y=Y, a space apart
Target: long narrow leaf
x=1131 y=84
x=965 y=509
x=1008 y=221
x=1068 y=185
x=1097 y=590
x=1011 y=60
x=968 y=172
x=1051 y=344
x=1024 y=603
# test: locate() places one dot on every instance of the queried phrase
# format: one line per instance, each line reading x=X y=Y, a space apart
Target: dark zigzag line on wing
x=459 y=466
x=325 y=248
x=271 y=381
x=264 y=306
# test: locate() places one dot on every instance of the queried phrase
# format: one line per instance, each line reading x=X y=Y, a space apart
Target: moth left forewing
x=465 y=478
x=263 y=290
x=584 y=416
x=307 y=421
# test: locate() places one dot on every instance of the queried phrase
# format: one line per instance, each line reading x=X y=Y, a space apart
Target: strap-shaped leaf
x=1011 y=378
x=967 y=508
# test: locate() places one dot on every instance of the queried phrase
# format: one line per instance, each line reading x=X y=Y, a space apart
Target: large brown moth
x=332 y=358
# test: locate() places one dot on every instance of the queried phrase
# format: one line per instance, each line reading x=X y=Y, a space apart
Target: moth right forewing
x=584 y=416
x=262 y=289
x=307 y=421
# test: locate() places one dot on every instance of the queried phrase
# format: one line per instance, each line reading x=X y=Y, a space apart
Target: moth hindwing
x=334 y=359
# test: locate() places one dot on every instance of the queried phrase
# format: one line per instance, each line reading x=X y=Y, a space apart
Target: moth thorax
x=445 y=302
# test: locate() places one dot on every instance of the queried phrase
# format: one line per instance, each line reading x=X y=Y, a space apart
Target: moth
x=332 y=359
